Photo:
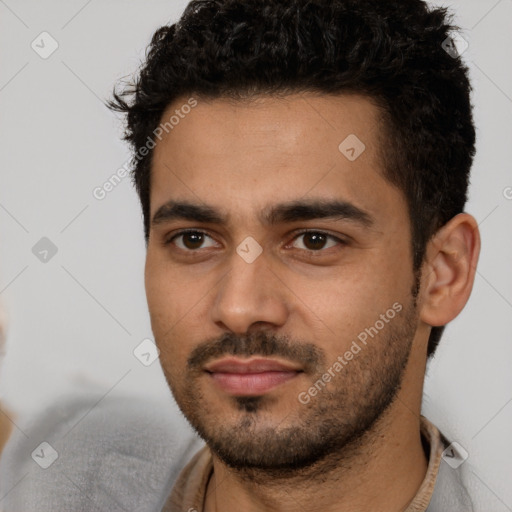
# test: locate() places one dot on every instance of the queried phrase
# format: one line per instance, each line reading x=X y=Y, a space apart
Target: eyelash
x=340 y=241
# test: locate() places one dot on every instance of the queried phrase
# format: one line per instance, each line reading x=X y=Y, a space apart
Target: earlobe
x=449 y=270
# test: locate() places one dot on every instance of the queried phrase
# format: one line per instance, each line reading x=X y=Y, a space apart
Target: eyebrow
x=293 y=211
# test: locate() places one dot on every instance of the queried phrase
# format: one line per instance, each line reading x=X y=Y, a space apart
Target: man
x=303 y=168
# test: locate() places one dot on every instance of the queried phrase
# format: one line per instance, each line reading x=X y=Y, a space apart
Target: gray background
x=75 y=320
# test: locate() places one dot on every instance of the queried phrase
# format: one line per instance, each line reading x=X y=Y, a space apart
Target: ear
x=449 y=270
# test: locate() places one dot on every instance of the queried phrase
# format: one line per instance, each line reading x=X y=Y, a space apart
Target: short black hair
x=393 y=52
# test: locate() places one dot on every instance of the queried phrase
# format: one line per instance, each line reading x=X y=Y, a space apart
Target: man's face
x=280 y=346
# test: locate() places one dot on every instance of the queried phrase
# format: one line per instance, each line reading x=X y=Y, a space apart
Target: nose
x=249 y=295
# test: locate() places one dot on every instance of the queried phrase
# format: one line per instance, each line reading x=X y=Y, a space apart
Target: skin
x=240 y=158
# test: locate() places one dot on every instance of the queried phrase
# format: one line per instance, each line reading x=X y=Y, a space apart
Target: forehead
x=295 y=123
x=249 y=153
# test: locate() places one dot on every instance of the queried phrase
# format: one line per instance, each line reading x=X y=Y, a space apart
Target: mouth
x=250 y=377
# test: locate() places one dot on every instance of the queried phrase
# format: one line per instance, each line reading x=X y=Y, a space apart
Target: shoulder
x=450 y=490
x=88 y=453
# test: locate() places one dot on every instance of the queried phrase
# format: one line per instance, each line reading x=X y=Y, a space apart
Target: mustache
x=260 y=343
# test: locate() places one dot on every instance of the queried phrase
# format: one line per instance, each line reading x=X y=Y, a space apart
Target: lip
x=255 y=365
x=250 y=377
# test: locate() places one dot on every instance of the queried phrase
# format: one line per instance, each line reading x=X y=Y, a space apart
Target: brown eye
x=192 y=240
x=315 y=241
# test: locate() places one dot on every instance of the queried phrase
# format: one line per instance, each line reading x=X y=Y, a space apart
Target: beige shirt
x=188 y=494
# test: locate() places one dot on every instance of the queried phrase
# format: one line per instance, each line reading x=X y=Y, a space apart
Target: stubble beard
x=314 y=437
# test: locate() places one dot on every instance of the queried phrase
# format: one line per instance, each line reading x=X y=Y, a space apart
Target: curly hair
x=392 y=52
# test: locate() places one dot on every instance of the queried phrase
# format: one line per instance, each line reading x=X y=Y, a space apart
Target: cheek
x=164 y=304
x=174 y=305
x=165 y=290
x=158 y=298
x=341 y=306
